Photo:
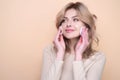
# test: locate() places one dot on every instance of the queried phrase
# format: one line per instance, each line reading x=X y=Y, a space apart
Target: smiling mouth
x=69 y=30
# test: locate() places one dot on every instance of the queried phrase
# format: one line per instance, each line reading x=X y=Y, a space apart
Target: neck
x=73 y=43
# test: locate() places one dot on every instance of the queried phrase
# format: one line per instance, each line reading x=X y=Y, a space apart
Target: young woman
x=72 y=57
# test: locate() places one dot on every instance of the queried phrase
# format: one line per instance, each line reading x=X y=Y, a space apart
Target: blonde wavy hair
x=87 y=18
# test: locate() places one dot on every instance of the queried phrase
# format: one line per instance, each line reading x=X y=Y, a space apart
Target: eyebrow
x=72 y=17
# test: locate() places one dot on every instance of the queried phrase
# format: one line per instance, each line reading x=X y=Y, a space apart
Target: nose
x=69 y=24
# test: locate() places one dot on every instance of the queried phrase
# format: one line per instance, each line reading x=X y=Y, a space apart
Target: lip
x=69 y=30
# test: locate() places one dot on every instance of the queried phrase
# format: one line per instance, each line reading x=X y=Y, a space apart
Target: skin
x=71 y=21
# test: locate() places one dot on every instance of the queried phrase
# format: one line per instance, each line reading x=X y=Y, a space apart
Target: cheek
x=77 y=33
x=77 y=26
x=63 y=31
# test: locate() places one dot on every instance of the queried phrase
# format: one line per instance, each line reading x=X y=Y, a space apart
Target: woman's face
x=71 y=24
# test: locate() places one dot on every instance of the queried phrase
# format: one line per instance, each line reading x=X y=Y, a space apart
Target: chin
x=71 y=37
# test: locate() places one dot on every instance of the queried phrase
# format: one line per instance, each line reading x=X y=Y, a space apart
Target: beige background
x=27 y=26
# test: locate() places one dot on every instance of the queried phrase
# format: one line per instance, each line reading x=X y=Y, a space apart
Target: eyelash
x=63 y=21
x=74 y=19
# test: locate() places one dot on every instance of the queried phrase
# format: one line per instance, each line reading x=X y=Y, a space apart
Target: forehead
x=71 y=13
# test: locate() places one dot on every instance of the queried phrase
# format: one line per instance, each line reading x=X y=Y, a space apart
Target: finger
x=84 y=35
x=81 y=30
x=61 y=38
x=79 y=42
x=86 y=38
x=58 y=34
x=61 y=30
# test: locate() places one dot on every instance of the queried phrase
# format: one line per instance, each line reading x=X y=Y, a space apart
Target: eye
x=75 y=19
x=63 y=21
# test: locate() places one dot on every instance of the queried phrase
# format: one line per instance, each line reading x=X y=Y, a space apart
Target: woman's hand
x=60 y=44
x=82 y=44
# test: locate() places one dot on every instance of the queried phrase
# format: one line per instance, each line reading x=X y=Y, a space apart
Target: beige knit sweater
x=69 y=69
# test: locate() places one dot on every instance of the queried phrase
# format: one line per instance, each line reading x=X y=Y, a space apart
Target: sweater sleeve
x=51 y=68
x=93 y=73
